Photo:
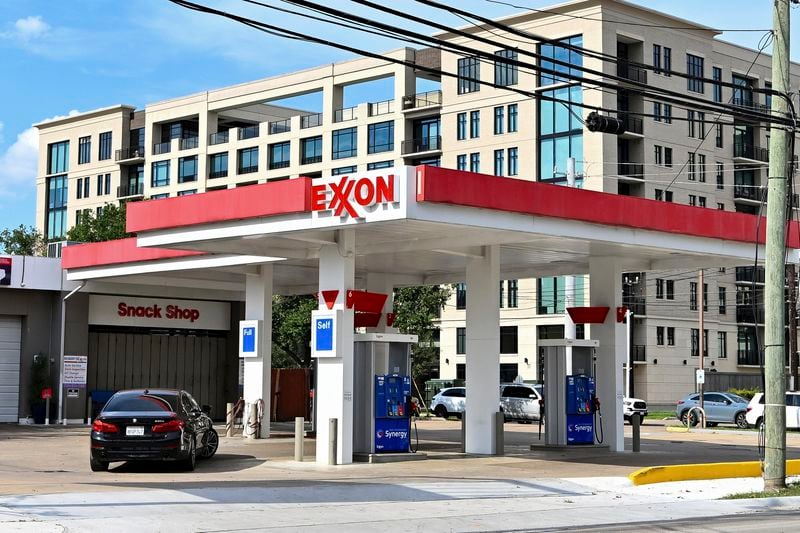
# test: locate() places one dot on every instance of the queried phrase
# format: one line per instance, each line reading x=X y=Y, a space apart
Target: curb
x=693 y=472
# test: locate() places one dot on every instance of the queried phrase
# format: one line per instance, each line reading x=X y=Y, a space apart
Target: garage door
x=10 y=334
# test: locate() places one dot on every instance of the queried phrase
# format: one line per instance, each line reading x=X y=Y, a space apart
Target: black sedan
x=152 y=425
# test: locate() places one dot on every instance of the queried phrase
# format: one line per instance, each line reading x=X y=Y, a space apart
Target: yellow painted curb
x=677 y=429
x=664 y=474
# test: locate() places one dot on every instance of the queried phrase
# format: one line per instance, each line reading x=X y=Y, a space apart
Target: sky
x=68 y=56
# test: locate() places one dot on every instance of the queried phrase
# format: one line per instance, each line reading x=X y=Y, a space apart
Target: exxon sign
x=355 y=196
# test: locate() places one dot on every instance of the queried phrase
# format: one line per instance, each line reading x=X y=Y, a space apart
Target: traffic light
x=603 y=124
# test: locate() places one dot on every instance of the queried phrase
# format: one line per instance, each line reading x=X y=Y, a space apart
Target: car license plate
x=134 y=431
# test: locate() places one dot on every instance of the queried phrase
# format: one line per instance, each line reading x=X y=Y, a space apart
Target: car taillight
x=104 y=427
x=680 y=402
x=170 y=425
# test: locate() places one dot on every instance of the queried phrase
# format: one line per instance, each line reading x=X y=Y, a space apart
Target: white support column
x=483 y=351
x=605 y=278
x=258 y=370
x=334 y=394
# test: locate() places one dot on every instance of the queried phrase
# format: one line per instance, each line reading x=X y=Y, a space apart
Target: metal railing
x=217 y=174
x=247 y=170
x=343 y=115
x=747 y=273
x=279 y=126
x=749 y=104
x=221 y=137
x=745 y=191
x=188 y=143
x=426 y=99
x=632 y=124
x=277 y=164
x=425 y=144
x=747 y=315
x=630 y=72
x=248 y=132
x=133 y=188
x=310 y=159
x=132 y=152
x=747 y=357
x=750 y=151
x=631 y=170
x=381 y=108
x=639 y=353
x=162 y=148
x=310 y=121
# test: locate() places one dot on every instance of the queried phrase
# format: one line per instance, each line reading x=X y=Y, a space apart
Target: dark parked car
x=152 y=425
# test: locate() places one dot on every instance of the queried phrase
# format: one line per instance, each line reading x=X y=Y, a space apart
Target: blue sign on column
x=248 y=339
x=324 y=337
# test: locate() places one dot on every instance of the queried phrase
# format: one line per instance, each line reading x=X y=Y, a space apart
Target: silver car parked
x=720 y=408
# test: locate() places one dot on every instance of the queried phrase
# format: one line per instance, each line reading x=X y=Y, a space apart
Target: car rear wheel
x=98 y=466
x=441 y=411
x=694 y=419
x=741 y=420
x=210 y=444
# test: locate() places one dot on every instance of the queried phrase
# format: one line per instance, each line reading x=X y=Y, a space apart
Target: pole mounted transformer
x=603 y=124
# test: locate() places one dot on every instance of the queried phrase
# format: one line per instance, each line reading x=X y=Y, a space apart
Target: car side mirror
x=206 y=409
x=728 y=402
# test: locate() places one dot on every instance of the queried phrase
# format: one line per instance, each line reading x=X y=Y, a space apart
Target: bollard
x=464 y=432
x=333 y=440
x=250 y=421
x=636 y=422
x=299 y=431
x=499 y=433
x=229 y=419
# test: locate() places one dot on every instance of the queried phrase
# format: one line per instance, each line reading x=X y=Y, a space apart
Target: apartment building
x=246 y=134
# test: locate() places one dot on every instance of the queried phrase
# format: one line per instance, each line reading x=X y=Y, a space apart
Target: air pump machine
x=569 y=391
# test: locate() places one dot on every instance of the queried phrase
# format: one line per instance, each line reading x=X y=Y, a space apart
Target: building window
x=720 y=176
x=513 y=290
x=660 y=335
x=550 y=294
x=508 y=339
x=461 y=295
x=499 y=162
x=701 y=201
x=86 y=186
x=668 y=196
x=380 y=164
x=657 y=111
x=718 y=135
x=247 y=160
x=695 y=342
x=659 y=289
x=160 y=196
x=667 y=156
x=475 y=162
x=670 y=289
x=694 y=71
x=474 y=124
x=100 y=185
x=716 y=73
x=693 y=296
x=692 y=166
x=555 y=50
x=560 y=133
x=512 y=118
x=505 y=74
x=79 y=190
x=722 y=344
x=56 y=207
x=670 y=336
x=343 y=170
x=84 y=150
x=705 y=291
x=345 y=143
x=105 y=146
x=513 y=161
x=218 y=164
x=160 y=177
x=380 y=137
x=279 y=156
x=501 y=292
x=721 y=206
x=667 y=115
x=461 y=341
x=461 y=162
x=659 y=195
x=187 y=192
x=462 y=126
x=658 y=155
x=701 y=165
x=311 y=150
x=667 y=61
x=187 y=169
x=722 y=297
x=657 y=58
x=469 y=75
x=696 y=121
x=693 y=200
x=499 y=120
x=58 y=157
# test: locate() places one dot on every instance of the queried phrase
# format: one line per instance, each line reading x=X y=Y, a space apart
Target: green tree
x=109 y=225
x=417 y=308
x=291 y=330
x=24 y=240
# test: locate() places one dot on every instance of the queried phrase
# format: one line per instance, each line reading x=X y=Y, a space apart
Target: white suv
x=755 y=410
x=631 y=406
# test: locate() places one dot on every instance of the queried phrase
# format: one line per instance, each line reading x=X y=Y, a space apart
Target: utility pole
x=775 y=268
x=701 y=303
x=793 y=326
x=570 y=331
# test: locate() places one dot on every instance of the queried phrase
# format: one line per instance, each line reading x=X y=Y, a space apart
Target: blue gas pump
x=580 y=406
x=392 y=413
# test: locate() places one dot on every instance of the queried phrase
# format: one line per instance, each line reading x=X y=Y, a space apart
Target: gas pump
x=580 y=408
x=392 y=413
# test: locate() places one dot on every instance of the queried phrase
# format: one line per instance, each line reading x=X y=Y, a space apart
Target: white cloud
x=18 y=164
x=36 y=36
x=31 y=27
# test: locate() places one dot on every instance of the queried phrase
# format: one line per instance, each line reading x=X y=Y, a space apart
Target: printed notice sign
x=75 y=367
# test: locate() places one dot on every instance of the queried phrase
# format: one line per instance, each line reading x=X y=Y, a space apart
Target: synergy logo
x=351 y=196
x=392 y=434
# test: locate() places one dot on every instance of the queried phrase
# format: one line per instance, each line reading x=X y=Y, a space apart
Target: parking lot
x=55 y=459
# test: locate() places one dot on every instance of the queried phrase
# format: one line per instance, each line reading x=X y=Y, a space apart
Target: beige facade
x=235 y=119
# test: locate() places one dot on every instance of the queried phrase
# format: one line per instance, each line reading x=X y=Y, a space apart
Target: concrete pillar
x=258 y=370
x=483 y=351
x=605 y=278
x=334 y=394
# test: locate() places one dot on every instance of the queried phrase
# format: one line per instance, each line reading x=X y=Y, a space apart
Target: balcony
x=426 y=144
x=248 y=132
x=310 y=121
x=279 y=126
x=637 y=305
x=630 y=72
x=128 y=154
x=221 y=137
x=747 y=357
x=751 y=152
x=746 y=274
x=162 y=148
x=745 y=314
x=639 y=353
x=633 y=125
x=747 y=191
x=346 y=114
x=188 y=143
x=630 y=170
x=132 y=190
x=380 y=108
x=421 y=100
x=749 y=105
